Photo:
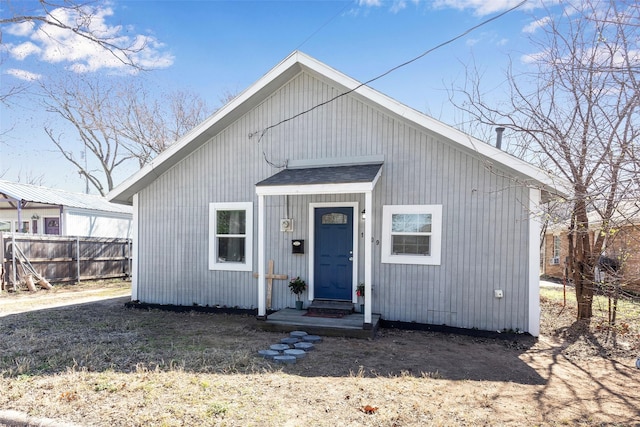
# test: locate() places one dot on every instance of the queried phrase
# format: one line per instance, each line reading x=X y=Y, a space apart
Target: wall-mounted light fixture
x=363 y=214
x=35 y=216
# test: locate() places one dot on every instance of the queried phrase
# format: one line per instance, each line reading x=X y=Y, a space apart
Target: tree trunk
x=583 y=262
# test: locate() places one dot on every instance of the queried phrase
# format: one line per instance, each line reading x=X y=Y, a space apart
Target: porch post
x=368 y=256
x=19 y=216
x=262 y=302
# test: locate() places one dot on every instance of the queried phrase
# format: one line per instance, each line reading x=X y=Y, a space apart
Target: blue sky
x=213 y=47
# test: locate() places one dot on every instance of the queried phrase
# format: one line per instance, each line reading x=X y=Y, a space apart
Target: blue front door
x=333 y=253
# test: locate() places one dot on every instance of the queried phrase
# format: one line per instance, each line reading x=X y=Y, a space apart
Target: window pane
x=231 y=222
x=411 y=223
x=231 y=249
x=424 y=223
x=334 y=218
x=411 y=245
x=5 y=225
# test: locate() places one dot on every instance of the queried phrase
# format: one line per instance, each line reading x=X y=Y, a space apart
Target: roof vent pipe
x=499 y=137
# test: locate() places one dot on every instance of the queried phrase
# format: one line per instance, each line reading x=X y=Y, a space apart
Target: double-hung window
x=231 y=236
x=411 y=234
x=555 y=259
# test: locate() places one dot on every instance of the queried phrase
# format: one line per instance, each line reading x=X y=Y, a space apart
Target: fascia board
x=285 y=70
x=521 y=167
x=345 y=188
x=191 y=141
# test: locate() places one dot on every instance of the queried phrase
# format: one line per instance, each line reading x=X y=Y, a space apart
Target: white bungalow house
x=340 y=185
x=34 y=209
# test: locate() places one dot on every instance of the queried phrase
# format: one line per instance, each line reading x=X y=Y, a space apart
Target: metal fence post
x=78 y=256
x=13 y=259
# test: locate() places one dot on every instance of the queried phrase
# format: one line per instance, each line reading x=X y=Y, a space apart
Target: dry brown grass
x=100 y=364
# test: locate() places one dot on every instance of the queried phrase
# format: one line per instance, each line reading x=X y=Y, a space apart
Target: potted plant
x=297 y=286
x=360 y=294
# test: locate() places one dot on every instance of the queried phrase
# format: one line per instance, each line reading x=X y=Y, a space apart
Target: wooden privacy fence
x=62 y=259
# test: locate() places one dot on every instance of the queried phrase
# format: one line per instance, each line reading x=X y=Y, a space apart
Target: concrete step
x=330 y=307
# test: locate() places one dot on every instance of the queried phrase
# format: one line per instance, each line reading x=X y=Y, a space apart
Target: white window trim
x=436 y=234
x=247 y=265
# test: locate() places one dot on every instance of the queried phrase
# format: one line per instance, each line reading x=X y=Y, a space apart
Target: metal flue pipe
x=499 y=131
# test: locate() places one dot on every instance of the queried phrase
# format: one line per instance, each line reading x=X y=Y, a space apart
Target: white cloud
x=532 y=58
x=23 y=74
x=396 y=5
x=484 y=7
x=21 y=51
x=532 y=27
x=60 y=46
x=479 y=7
x=21 y=30
x=369 y=3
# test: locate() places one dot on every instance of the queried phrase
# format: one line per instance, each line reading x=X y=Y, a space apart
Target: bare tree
x=48 y=14
x=57 y=30
x=117 y=123
x=89 y=107
x=577 y=113
x=149 y=126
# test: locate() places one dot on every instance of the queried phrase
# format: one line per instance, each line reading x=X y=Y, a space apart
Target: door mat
x=325 y=315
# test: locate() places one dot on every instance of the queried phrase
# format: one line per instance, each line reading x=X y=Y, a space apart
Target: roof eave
x=285 y=70
x=218 y=121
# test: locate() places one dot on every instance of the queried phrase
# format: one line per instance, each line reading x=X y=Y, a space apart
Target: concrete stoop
x=329 y=307
x=291 y=348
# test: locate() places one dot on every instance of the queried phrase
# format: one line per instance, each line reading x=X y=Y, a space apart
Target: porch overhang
x=336 y=179
x=321 y=180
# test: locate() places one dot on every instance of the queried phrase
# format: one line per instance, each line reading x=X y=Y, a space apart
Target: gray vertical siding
x=485 y=223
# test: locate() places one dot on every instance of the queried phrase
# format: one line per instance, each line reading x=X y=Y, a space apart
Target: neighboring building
x=622 y=244
x=340 y=185
x=39 y=210
x=554 y=254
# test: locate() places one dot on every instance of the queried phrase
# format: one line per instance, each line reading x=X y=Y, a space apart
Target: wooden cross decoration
x=270 y=276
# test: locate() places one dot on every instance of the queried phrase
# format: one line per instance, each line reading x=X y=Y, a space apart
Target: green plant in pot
x=297 y=286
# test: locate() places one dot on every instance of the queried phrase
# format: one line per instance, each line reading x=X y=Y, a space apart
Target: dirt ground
x=98 y=363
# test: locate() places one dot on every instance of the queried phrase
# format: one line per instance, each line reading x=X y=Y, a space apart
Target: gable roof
x=626 y=214
x=292 y=65
x=52 y=196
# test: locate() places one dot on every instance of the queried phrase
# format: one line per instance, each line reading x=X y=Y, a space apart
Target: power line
x=324 y=25
x=404 y=64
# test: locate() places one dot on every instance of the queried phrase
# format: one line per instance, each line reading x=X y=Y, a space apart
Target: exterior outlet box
x=498 y=293
x=297 y=246
x=286 y=224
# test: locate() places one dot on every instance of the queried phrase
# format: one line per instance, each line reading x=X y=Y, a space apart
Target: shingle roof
x=324 y=175
x=51 y=196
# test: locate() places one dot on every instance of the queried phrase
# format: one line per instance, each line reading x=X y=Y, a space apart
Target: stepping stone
x=268 y=354
x=298 y=334
x=298 y=354
x=285 y=359
x=306 y=346
x=280 y=347
x=290 y=340
x=312 y=338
